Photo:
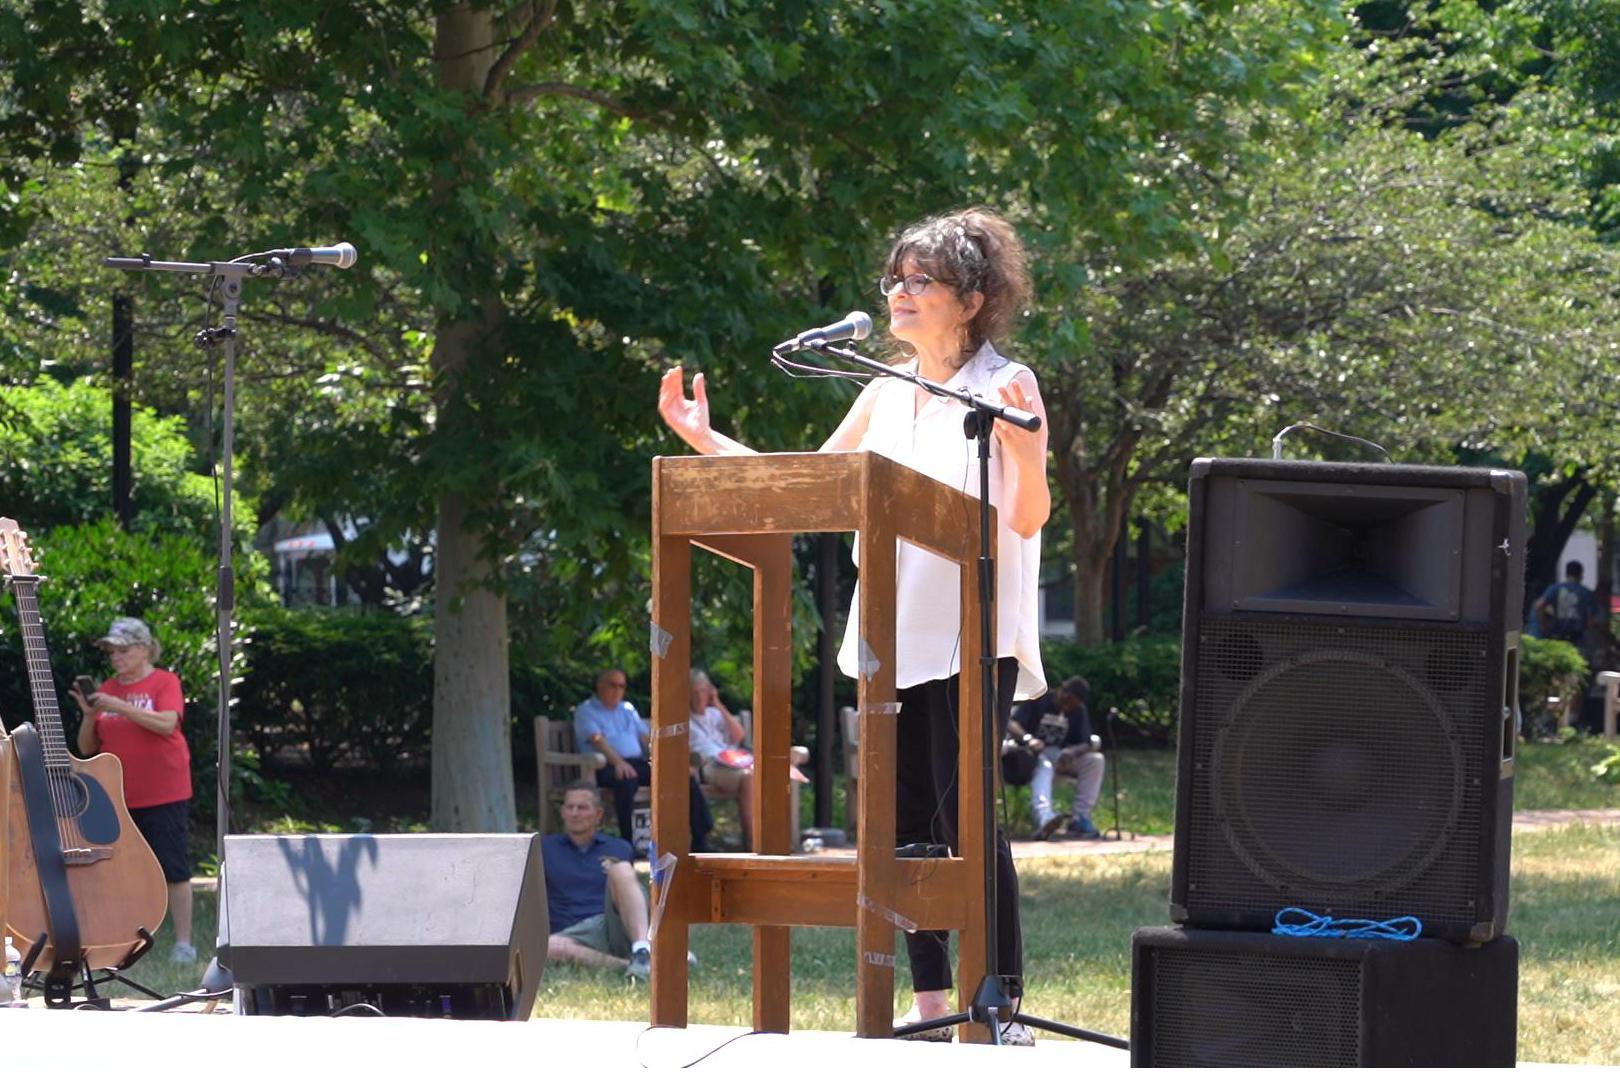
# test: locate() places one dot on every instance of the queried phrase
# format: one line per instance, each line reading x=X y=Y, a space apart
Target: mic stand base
x=1072 y=1032
x=991 y=1002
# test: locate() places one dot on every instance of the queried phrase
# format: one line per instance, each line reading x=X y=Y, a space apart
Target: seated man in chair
x=608 y=724
x=1057 y=727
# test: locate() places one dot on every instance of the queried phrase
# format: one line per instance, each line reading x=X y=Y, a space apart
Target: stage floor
x=253 y=1047
x=250 y=1047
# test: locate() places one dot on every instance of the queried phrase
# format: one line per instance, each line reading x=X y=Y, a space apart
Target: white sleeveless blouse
x=928 y=602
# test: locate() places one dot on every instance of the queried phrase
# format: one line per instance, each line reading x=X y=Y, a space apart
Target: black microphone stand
x=1113 y=769
x=992 y=1003
x=228 y=277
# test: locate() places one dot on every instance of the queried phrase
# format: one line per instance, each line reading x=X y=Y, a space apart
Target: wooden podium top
x=710 y=495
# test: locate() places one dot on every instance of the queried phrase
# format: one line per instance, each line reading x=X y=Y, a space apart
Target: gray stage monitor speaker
x=1349 y=693
x=417 y=924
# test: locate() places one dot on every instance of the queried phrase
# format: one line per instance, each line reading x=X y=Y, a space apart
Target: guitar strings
x=58 y=773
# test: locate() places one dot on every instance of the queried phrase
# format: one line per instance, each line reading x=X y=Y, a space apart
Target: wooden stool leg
x=672 y=827
x=874 y=930
x=772 y=978
x=773 y=738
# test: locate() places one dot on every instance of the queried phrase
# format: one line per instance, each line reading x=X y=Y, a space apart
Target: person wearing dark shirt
x=1057 y=727
x=598 y=911
x=1568 y=609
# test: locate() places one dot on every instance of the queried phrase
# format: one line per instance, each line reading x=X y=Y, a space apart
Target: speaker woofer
x=1312 y=784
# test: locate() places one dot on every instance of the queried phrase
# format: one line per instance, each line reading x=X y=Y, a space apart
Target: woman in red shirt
x=135 y=716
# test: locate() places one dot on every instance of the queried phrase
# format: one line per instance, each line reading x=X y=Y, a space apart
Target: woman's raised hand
x=687 y=417
x=1031 y=445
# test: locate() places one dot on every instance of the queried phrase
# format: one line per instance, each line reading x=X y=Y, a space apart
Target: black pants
x=624 y=801
x=925 y=812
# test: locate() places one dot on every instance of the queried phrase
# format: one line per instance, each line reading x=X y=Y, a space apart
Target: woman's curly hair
x=972 y=250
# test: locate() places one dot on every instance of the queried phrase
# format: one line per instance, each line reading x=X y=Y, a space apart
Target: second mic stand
x=992 y=1003
x=228 y=277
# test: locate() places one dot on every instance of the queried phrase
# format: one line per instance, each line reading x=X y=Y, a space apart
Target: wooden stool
x=746 y=509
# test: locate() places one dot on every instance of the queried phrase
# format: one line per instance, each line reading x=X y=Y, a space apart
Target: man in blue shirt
x=598 y=911
x=610 y=725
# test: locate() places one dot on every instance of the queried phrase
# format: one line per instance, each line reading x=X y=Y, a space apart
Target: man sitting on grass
x=598 y=911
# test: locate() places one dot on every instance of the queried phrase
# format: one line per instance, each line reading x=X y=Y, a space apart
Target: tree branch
x=538 y=21
x=531 y=91
x=382 y=355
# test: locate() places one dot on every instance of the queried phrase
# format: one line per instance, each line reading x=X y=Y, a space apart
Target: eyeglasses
x=613 y=685
x=914 y=283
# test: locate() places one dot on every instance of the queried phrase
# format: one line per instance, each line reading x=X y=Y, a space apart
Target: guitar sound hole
x=77 y=796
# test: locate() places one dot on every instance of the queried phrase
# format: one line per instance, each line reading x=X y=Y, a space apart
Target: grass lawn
x=1078 y=918
x=1558 y=775
x=1079 y=914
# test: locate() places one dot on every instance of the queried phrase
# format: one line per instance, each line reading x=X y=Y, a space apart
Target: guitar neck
x=41 y=684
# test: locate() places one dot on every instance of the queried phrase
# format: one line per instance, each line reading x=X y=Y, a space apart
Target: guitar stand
x=58 y=993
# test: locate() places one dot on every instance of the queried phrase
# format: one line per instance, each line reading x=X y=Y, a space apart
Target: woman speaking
x=953 y=284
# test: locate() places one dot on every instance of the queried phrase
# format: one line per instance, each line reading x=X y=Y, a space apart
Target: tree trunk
x=472 y=713
x=472 y=723
x=1096 y=525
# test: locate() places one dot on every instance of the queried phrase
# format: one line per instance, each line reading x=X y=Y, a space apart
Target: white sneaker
x=184 y=952
x=640 y=966
x=1016 y=1034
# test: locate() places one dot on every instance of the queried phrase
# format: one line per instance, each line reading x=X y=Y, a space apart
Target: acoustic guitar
x=116 y=885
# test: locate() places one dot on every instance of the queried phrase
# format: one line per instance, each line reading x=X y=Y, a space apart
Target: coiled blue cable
x=1297 y=922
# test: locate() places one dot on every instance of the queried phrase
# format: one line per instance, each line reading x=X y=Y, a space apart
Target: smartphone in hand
x=84 y=686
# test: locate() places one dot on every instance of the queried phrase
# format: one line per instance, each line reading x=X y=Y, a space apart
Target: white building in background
x=1582 y=546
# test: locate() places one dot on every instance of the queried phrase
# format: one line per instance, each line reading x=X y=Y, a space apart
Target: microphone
x=341 y=256
x=856 y=326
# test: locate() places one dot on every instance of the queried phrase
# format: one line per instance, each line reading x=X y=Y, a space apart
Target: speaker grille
x=1336 y=768
x=1233 y=1009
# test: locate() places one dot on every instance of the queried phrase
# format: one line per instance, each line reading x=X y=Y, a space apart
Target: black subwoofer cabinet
x=1234 y=999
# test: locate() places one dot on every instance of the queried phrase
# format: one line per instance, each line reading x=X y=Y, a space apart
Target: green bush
x=1548 y=668
x=347 y=687
x=1139 y=676
x=56 y=463
x=94 y=573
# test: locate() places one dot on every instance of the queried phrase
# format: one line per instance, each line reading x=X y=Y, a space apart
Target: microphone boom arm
x=1021 y=418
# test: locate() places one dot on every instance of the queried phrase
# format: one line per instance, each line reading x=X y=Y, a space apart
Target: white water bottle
x=11 y=991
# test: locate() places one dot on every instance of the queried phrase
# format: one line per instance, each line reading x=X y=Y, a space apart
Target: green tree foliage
x=554 y=199
x=1428 y=292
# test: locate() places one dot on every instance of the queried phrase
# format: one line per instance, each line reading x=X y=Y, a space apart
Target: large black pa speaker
x=418 y=924
x=1232 y=999
x=1349 y=694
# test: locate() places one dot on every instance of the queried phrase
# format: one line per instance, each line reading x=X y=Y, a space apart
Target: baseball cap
x=127 y=631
